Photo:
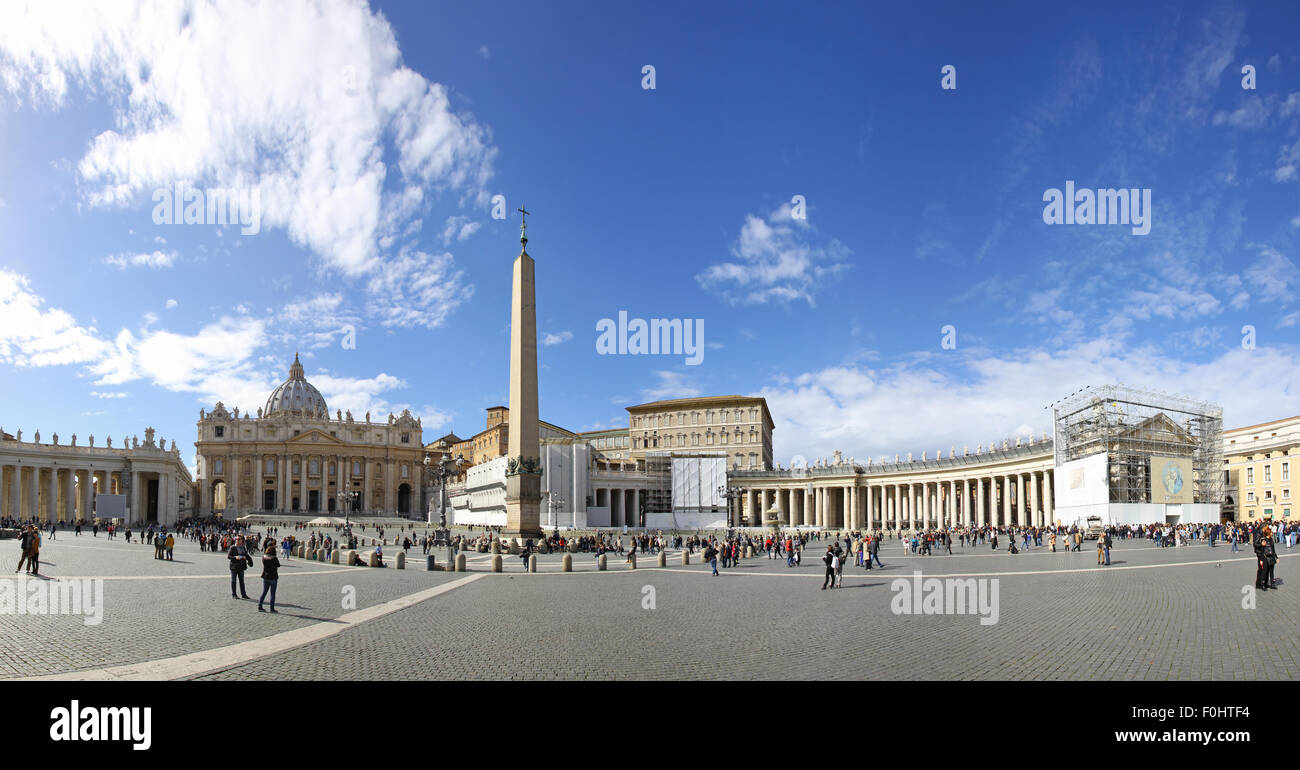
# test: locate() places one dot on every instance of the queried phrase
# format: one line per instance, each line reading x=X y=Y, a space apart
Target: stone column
x=365 y=484
x=4 y=492
x=1035 y=515
x=1020 y=499
x=926 y=512
x=69 y=509
x=979 y=501
x=1006 y=500
x=15 y=491
x=1047 y=496
x=964 y=513
x=897 y=510
x=782 y=514
x=636 y=505
x=869 y=512
x=305 y=484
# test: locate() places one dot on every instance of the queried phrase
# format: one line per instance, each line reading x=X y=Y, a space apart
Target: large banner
x=1171 y=479
x=110 y=506
x=696 y=481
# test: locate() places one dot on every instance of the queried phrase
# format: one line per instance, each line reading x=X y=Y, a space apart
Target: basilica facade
x=293 y=457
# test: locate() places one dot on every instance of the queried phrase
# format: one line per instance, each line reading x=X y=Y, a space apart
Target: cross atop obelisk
x=523 y=224
x=523 y=469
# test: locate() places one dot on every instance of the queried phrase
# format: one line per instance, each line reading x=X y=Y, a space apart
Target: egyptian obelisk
x=523 y=476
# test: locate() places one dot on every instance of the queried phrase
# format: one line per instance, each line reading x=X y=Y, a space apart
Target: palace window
x=406 y=438
x=1250 y=497
x=270 y=465
x=314 y=468
x=724 y=416
x=405 y=472
x=1268 y=473
x=331 y=469
x=1286 y=471
x=218 y=467
x=1250 y=475
x=296 y=465
x=220 y=431
x=695 y=439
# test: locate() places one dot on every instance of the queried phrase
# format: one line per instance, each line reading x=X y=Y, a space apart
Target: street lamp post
x=731 y=493
x=552 y=500
x=346 y=500
x=446 y=467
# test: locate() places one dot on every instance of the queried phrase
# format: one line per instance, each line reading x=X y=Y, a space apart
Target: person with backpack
x=711 y=556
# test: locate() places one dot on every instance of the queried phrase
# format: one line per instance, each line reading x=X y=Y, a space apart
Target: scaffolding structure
x=1134 y=426
x=658 y=498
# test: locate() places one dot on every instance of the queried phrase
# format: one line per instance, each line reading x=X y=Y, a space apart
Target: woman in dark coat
x=270 y=575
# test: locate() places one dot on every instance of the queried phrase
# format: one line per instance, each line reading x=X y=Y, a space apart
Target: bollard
x=349 y=558
x=663 y=558
x=573 y=547
x=600 y=563
x=749 y=552
x=460 y=562
x=686 y=557
x=430 y=563
x=532 y=562
x=514 y=548
x=631 y=560
x=496 y=546
x=566 y=563
x=334 y=556
x=496 y=562
x=400 y=560
x=311 y=555
x=373 y=560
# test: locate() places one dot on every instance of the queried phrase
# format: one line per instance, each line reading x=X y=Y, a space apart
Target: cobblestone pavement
x=1156 y=614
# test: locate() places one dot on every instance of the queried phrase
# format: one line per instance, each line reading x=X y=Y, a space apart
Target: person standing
x=1106 y=545
x=270 y=575
x=829 y=561
x=25 y=548
x=711 y=556
x=874 y=550
x=239 y=561
x=169 y=544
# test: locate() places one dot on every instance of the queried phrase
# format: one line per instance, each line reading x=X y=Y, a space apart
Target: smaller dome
x=295 y=394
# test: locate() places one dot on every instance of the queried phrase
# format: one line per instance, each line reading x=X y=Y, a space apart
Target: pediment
x=315 y=437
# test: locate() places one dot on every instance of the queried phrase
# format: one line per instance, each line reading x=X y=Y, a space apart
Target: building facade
x=64 y=482
x=294 y=458
x=741 y=426
x=1258 y=463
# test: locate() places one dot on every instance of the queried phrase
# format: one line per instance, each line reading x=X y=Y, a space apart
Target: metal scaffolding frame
x=1132 y=426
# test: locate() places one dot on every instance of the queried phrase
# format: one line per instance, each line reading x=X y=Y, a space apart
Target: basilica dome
x=295 y=394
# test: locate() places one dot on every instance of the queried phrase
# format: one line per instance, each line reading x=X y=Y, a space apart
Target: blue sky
x=377 y=136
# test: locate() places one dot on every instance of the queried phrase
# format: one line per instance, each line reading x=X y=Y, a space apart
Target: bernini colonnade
x=996 y=487
x=59 y=482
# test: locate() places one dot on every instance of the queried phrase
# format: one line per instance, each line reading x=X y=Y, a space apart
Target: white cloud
x=358 y=394
x=1273 y=276
x=458 y=228
x=152 y=259
x=775 y=261
x=417 y=289
x=171 y=303
x=915 y=406
x=555 y=339
x=31 y=336
x=671 y=385
x=191 y=100
x=484 y=52
x=99 y=394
